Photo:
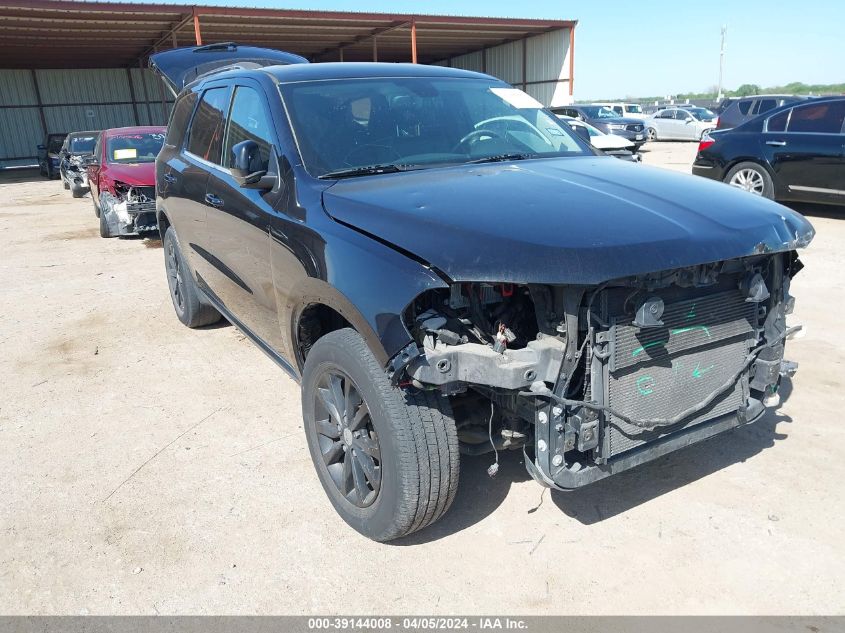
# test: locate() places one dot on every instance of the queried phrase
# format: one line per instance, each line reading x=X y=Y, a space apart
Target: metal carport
x=67 y=65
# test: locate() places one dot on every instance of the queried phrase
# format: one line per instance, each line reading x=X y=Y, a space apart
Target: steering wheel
x=474 y=136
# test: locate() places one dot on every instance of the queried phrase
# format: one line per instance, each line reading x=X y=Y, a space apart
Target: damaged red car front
x=121 y=172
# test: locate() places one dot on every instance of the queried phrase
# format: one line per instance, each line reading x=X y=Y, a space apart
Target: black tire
x=651 y=134
x=104 y=226
x=766 y=188
x=419 y=461
x=77 y=192
x=190 y=307
x=66 y=185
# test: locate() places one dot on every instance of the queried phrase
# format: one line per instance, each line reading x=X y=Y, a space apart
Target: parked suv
x=625 y=110
x=448 y=269
x=746 y=108
x=48 y=154
x=607 y=121
x=76 y=149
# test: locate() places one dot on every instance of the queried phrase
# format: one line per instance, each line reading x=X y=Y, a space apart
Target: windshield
x=702 y=114
x=134 y=147
x=82 y=144
x=418 y=122
x=54 y=144
x=598 y=112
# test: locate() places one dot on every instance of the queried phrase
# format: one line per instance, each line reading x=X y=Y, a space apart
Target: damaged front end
x=130 y=210
x=593 y=380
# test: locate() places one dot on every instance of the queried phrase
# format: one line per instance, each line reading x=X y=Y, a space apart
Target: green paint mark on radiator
x=643 y=348
x=692 y=328
x=698 y=372
x=645 y=385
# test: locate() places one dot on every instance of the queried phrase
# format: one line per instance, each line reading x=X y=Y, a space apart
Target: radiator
x=659 y=372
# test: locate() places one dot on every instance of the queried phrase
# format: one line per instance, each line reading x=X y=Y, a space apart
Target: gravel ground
x=148 y=468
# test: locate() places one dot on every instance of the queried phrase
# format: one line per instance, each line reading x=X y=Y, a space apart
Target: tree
x=747 y=89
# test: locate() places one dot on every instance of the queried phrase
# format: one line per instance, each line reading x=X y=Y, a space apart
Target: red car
x=121 y=173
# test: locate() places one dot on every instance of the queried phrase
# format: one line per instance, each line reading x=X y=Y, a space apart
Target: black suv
x=608 y=121
x=447 y=269
x=744 y=109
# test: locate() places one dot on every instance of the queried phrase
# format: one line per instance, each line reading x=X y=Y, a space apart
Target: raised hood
x=180 y=66
x=569 y=220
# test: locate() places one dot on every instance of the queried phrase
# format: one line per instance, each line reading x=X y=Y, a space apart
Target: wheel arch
x=319 y=309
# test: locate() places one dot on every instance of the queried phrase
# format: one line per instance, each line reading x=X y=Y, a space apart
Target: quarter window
x=744 y=106
x=248 y=122
x=777 y=123
x=206 y=136
x=179 y=119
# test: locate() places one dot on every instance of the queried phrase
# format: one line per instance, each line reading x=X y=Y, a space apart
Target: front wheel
x=651 y=134
x=752 y=178
x=387 y=458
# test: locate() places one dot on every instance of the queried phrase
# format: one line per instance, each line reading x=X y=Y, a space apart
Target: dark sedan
x=607 y=121
x=796 y=153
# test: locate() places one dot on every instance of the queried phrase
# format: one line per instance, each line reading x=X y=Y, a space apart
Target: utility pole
x=722 y=61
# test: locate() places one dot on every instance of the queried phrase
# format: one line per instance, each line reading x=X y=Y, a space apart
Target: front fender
x=368 y=283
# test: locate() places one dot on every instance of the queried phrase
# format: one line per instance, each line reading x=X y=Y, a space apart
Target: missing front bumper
x=542 y=469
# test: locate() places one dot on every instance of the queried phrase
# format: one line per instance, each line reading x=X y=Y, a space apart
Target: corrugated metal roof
x=69 y=33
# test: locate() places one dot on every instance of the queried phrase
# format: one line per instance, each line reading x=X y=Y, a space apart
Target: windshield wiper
x=498 y=158
x=367 y=170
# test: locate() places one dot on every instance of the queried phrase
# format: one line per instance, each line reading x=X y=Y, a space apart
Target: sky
x=625 y=48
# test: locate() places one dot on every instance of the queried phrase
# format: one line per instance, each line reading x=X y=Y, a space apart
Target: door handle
x=776 y=143
x=213 y=200
x=169 y=178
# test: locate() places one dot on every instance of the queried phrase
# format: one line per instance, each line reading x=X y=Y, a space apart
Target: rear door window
x=206 y=135
x=744 y=106
x=818 y=118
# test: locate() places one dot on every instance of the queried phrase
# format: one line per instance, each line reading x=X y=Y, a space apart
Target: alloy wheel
x=651 y=134
x=749 y=180
x=346 y=438
x=174 y=276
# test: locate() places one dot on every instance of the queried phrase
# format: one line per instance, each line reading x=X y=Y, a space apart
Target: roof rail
x=219 y=46
x=223 y=69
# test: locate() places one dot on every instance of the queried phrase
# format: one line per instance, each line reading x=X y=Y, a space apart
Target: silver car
x=680 y=124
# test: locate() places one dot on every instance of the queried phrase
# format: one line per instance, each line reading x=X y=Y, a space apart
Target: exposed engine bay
x=130 y=210
x=592 y=380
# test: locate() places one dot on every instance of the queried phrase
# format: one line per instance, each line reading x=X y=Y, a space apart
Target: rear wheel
x=387 y=458
x=191 y=309
x=752 y=178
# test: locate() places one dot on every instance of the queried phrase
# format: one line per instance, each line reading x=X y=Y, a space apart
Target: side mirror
x=689 y=119
x=246 y=155
x=581 y=131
